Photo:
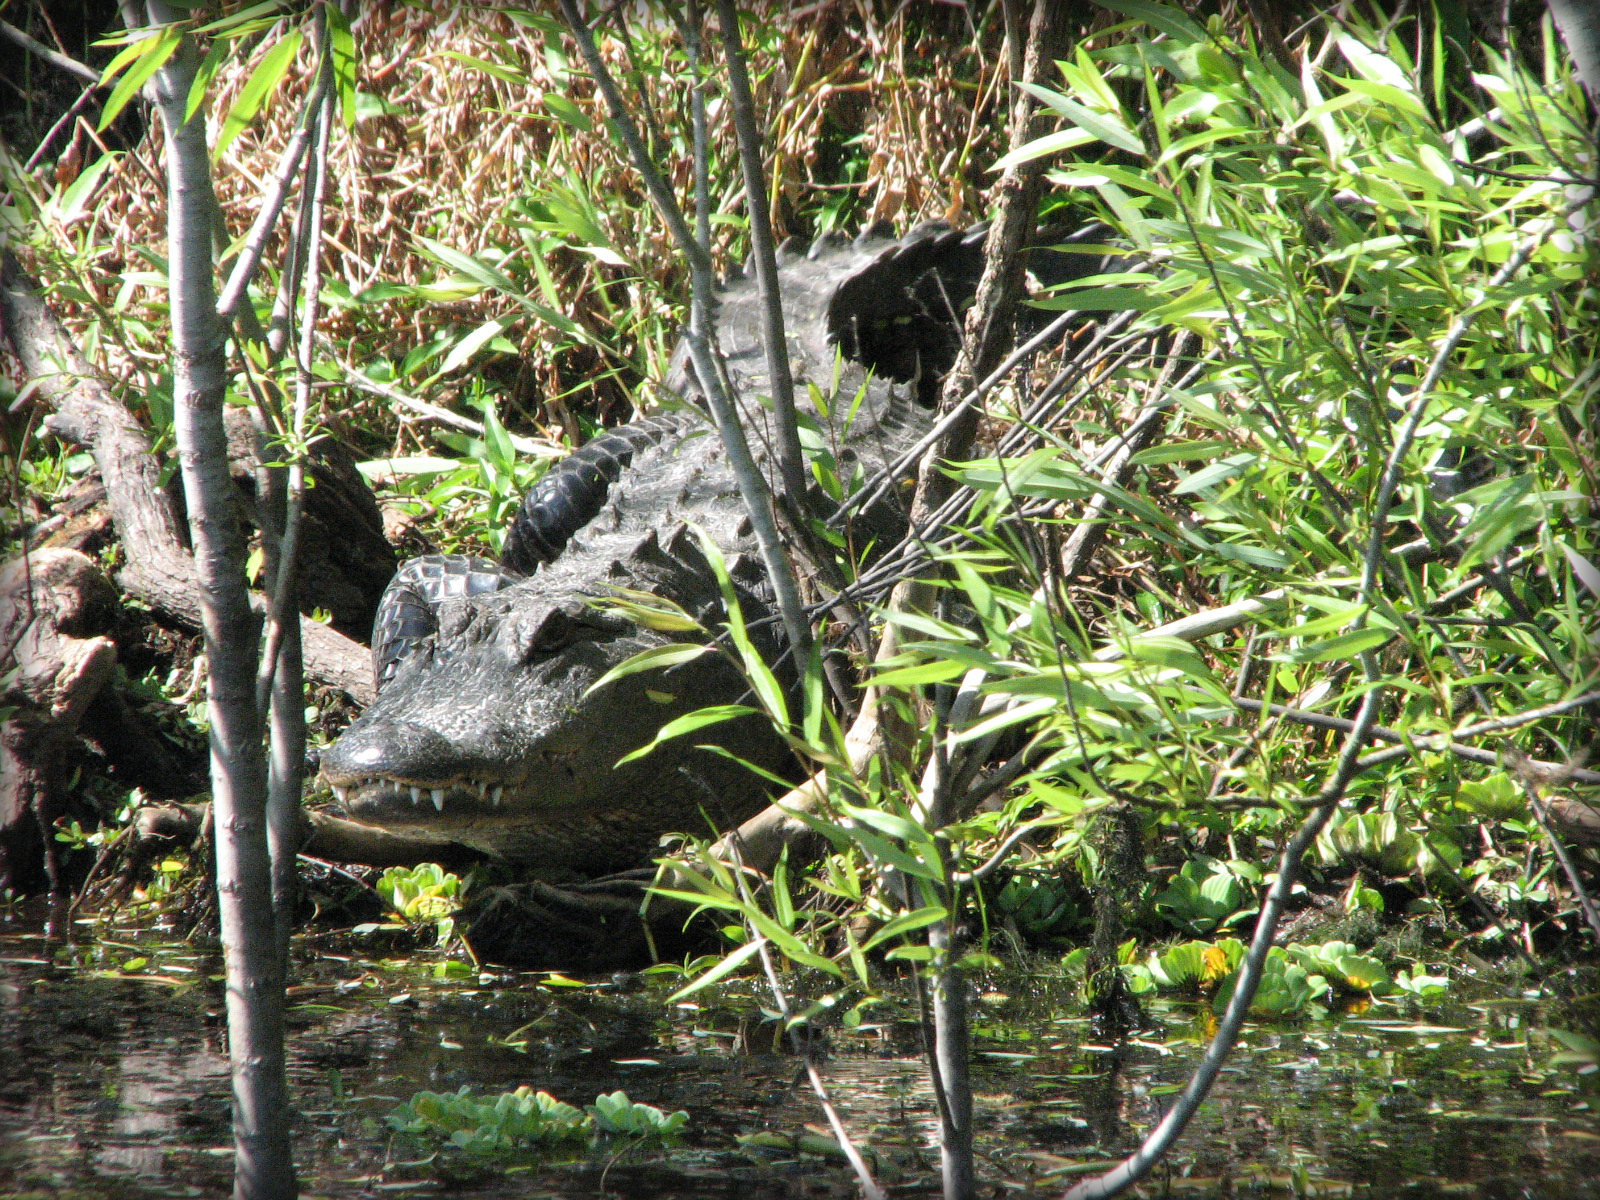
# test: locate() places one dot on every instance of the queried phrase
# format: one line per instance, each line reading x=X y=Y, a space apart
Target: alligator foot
x=587 y=927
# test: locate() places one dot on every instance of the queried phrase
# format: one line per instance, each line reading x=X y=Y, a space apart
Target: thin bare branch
x=763 y=253
x=752 y=484
x=1436 y=742
x=277 y=193
x=54 y=57
x=1531 y=788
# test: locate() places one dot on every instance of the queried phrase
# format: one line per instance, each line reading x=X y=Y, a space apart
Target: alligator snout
x=401 y=750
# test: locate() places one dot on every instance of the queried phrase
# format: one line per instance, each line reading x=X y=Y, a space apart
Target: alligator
x=487 y=731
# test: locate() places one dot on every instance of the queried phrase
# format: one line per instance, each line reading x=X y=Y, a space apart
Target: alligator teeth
x=494 y=796
x=340 y=793
x=416 y=796
x=483 y=788
x=438 y=799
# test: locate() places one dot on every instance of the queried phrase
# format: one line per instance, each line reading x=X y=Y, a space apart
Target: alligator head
x=495 y=737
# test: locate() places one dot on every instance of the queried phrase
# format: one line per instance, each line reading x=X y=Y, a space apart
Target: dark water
x=113 y=1083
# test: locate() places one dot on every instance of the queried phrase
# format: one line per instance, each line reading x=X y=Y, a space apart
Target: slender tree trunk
x=263 y=1166
x=763 y=253
x=1579 y=23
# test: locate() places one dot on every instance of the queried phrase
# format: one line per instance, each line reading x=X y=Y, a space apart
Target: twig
x=1171 y=1126
x=365 y=383
x=255 y=243
x=1525 y=776
x=1441 y=741
x=65 y=119
x=54 y=57
x=872 y=490
x=689 y=29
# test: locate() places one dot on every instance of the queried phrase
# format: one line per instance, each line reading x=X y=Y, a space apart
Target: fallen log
x=55 y=609
x=157 y=568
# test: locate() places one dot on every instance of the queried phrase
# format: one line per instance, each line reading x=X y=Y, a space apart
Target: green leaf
x=567 y=111
x=937 y=671
x=465 y=264
x=470 y=345
x=688 y=723
x=230 y=25
x=1206 y=477
x=1051 y=143
x=503 y=73
x=262 y=83
x=755 y=667
x=216 y=55
x=1346 y=645
x=1164 y=17
x=1100 y=299
x=1584 y=569
x=906 y=923
x=148 y=57
x=654 y=659
x=1102 y=126
x=722 y=970
x=1181 y=452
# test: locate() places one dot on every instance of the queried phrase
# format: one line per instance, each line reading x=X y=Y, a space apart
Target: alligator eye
x=555 y=631
x=536 y=635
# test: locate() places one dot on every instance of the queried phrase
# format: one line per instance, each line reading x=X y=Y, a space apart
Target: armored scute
x=487 y=731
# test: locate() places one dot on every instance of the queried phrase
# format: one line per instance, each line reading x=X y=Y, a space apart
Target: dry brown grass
x=905 y=96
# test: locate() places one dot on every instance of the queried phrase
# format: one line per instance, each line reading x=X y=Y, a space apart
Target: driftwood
x=157 y=567
x=55 y=609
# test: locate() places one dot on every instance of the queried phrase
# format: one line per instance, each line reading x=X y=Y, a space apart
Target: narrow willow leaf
x=722 y=970
x=906 y=923
x=149 y=57
x=262 y=83
x=654 y=659
x=1105 y=127
x=503 y=73
x=688 y=723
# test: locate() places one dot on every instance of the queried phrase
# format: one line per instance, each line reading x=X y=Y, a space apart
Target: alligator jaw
x=422 y=801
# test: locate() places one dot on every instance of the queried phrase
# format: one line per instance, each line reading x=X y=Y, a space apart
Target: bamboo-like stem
x=752 y=484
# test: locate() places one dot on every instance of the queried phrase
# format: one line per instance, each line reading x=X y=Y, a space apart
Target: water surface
x=113 y=1083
